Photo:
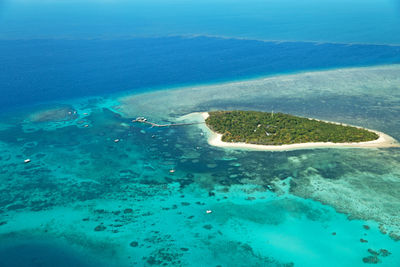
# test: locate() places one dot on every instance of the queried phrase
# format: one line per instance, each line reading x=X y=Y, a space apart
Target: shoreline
x=384 y=141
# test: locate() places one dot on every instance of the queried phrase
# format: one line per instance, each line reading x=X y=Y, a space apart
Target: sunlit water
x=102 y=191
x=36 y=71
x=120 y=202
x=343 y=21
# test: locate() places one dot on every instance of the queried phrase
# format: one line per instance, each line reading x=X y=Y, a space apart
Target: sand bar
x=384 y=140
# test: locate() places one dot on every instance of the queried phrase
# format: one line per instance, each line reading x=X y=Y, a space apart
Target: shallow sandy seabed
x=53 y=114
x=121 y=201
x=368 y=97
x=370 y=92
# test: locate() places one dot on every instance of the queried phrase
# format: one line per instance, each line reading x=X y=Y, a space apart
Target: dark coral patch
x=371 y=260
x=384 y=252
x=100 y=228
x=208 y=226
x=134 y=244
x=126 y=211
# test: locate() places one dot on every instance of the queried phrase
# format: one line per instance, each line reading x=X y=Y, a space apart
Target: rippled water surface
x=104 y=185
x=338 y=21
x=82 y=185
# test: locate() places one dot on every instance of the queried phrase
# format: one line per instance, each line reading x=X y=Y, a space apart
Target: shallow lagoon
x=119 y=201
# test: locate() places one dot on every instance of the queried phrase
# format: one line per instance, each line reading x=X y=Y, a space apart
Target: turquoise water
x=100 y=190
x=120 y=203
x=44 y=253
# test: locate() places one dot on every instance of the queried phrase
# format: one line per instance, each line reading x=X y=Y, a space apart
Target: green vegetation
x=265 y=128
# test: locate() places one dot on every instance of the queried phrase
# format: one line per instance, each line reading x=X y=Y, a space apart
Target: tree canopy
x=267 y=128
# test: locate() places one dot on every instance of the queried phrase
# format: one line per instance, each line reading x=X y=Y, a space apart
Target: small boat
x=140 y=119
x=116 y=140
x=27 y=160
x=86 y=125
x=171 y=171
x=208 y=211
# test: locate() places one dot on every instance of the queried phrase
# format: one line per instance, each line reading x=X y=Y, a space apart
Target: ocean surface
x=36 y=71
x=119 y=202
x=343 y=21
x=99 y=190
x=44 y=253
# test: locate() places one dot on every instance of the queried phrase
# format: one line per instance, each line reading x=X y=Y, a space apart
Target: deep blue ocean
x=52 y=50
x=81 y=185
x=344 y=21
x=36 y=71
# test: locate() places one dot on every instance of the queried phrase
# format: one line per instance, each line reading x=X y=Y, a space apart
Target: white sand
x=384 y=140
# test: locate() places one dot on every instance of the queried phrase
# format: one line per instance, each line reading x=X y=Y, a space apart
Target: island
x=279 y=131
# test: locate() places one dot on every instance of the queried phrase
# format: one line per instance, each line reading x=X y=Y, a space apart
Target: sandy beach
x=384 y=140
